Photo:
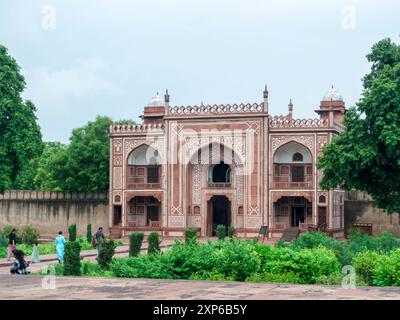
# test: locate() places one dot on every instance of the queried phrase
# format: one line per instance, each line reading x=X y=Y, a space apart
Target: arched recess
x=143 y=168
x=293 y=166
x=200 y=172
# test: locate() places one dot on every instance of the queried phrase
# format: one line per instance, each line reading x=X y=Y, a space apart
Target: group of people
x=20 y=265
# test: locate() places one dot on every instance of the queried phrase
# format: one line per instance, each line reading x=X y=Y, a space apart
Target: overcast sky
x=109 y=57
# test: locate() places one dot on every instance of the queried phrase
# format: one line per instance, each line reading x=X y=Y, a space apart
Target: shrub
x=387 y=270
x=311 y=264
x=107 y=250
x=221 y=232
x=231 y=231
x=190 y=235
x=235 y=260
x=365 y=264
x=135 y=243
x=72 y=232
x=72 y=259
x=29 y=235
x=89 y=233
x=154 y=243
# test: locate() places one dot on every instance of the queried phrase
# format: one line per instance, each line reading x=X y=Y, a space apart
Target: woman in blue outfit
x=60 y=247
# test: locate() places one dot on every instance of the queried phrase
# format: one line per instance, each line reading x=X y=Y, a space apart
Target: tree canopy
x=366 y=156
x=20 y=136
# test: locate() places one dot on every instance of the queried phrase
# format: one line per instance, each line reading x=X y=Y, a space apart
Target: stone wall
x=359 y=208
x=52 y=211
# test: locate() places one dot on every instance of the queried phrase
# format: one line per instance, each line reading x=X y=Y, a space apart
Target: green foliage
x=190 y=235
x=365 y=263
x=135 y=243
x=89 y=232
x=72 y=232
x=44 y=166
x=221 y=232
x=72 y=259
x=154 y=243
x=366 y=156
x=231 y=231
x=20 y=136
x=29 y=235
x=232 y=260
x=107 y=250
x=387 y=270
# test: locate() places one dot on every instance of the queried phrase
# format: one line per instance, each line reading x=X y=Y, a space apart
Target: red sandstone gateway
x=200 y=166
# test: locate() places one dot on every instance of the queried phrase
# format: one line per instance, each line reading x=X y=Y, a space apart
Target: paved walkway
x=31 y=287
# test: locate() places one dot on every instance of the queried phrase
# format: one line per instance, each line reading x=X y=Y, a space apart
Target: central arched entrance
x=219 y=212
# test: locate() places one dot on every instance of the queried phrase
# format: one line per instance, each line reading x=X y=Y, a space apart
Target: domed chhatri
x=157 y=101
x=332 y=95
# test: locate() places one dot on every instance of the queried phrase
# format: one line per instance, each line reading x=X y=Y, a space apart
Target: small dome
x=157 y=101
x=332 y=95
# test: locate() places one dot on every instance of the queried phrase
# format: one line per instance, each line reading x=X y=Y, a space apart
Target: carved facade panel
x=176 y=221
x=117 y=178
x=117 y=197
x=117 y=160
x=196 y=183
x=117 y=146
x=253 y=221
x=240 y=185
x=321 y=142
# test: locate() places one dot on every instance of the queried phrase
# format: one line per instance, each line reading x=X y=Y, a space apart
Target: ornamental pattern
x=277 y=141
x=240 y=185
x=253 y=221
x=117 y=143
x=254 y=211
x=196 y=184
x=321 y=142
x=176 y=221
x=117 y=194
x=156 y=143
x=117 y=160
x=235 y=143
x=117 y=179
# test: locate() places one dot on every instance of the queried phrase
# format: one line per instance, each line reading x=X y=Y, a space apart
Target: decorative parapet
x=40 y=195
x=285 y=122
x=215 y=108
x=139 y=128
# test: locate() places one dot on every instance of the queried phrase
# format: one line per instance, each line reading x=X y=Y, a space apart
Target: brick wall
x=359 y=208
x=52 y=211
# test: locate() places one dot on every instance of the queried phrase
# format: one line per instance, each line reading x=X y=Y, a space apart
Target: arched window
x=117 y=199
x=322 y=199
x=297 y=157
x=219 y=173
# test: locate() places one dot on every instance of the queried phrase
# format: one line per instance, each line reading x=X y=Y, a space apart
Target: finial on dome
x=166 y=96
x=290 y=105
x=265 y=92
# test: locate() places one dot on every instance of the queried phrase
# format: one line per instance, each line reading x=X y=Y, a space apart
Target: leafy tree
x=46 y=166
x=20 y=136
x=366 y=156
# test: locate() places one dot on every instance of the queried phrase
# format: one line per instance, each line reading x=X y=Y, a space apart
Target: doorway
x=297 y=216
x=117 y=215
x=219 y=212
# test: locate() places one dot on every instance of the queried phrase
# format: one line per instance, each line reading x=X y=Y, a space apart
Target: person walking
x=99 y=239
x=12 y=243
x=20 y=266
x=60 y=247
x=35 y=253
